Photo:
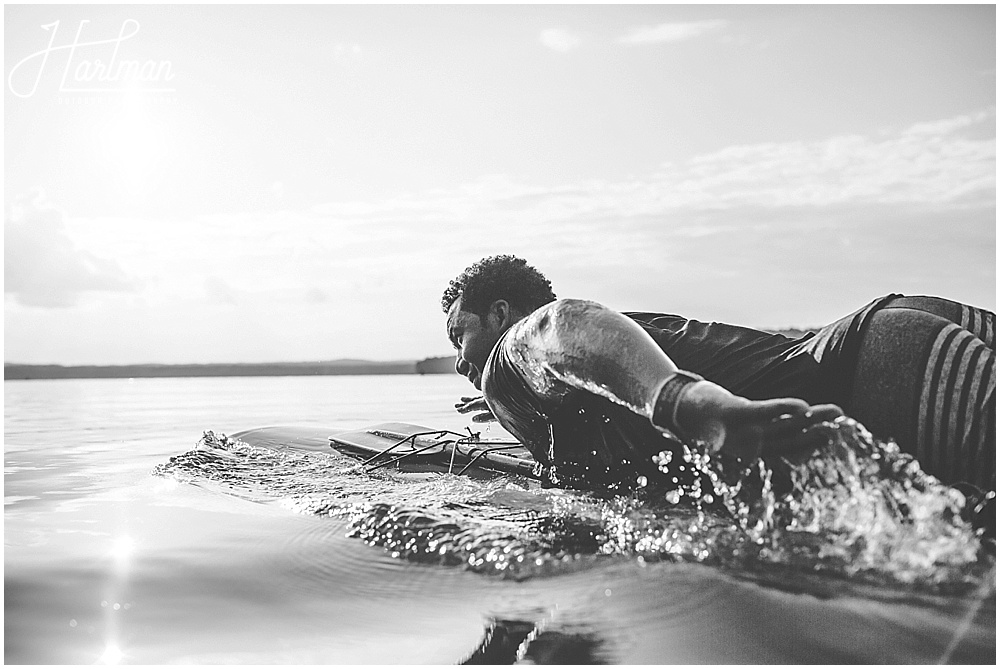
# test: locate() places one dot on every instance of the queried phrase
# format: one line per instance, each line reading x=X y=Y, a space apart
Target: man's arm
x=586 y=346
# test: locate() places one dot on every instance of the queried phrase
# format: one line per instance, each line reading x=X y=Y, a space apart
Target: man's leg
x=926 y=380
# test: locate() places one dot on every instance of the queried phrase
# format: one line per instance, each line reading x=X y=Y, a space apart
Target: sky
x=195 y=184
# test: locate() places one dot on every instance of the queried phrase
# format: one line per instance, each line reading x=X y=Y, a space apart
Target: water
x=105 y=562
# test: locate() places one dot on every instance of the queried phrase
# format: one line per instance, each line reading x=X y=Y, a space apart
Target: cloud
x=706 y=214
x=928 y=163
x=316 y=296
x=936 y=166
x=948 y=126
x=559 y=39
x=774 y=233
x=670 y=32
x=381 y=250
x=219 y=291
x=42 y=265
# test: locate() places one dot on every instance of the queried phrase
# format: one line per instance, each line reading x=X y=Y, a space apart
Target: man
x=591 y=392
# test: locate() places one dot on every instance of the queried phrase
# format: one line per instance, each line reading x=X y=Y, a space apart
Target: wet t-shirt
x=818 y=367
x=586 y=440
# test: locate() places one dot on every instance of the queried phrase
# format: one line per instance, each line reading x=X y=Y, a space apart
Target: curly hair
x=500 y=277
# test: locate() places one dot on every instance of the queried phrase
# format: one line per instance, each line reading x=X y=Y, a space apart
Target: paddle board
x=404 y=447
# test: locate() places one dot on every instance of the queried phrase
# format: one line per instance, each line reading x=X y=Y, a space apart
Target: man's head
x=484 y=301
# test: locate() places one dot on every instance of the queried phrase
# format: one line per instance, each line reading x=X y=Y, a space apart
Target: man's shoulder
x=569 y=303
x=566 y=308
x=570 y=309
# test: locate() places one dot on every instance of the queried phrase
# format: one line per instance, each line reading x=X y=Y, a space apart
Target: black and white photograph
x=436 y=334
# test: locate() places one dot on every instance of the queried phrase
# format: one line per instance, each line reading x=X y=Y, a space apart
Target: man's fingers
x=471 y=404
x=800 y=434
x=478 y=403
x=825 y=412
x=791 y=423
x=771 y=410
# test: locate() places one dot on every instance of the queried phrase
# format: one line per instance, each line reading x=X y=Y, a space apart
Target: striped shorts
x=926 y=377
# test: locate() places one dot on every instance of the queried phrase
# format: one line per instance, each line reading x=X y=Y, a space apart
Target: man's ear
x=503 y=313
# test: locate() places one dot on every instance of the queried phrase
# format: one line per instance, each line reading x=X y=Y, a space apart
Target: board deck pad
x=436 y=449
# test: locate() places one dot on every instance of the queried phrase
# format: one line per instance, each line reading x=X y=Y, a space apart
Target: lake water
x=105 y=562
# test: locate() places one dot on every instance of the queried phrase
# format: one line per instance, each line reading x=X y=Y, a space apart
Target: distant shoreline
x=441 y=365
x=22 y=372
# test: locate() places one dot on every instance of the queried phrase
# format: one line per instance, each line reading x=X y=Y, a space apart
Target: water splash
x=857 y=509
x=875 y=511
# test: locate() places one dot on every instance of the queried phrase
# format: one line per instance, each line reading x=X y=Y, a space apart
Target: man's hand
x=749 y=429
x=470 y=404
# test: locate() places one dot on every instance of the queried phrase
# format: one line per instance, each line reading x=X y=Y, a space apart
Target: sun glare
x=133 y=144
x=122 y=549
x=112 y=655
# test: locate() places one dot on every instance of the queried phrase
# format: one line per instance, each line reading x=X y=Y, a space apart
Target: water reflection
x=521 y=641
x=121 y=552
x=965 y=626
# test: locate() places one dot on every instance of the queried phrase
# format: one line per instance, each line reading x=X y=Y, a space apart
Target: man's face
x=473 y=337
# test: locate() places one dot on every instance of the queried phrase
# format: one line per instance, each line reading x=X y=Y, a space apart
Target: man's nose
x=461 y=366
